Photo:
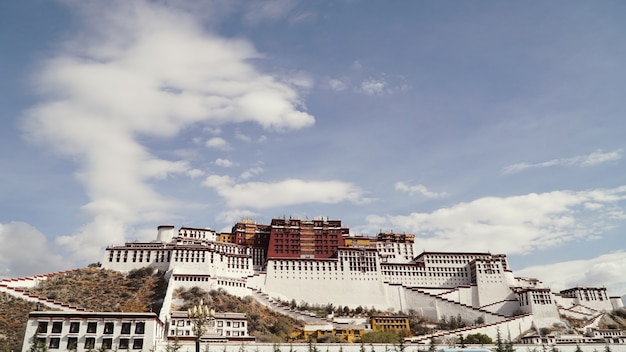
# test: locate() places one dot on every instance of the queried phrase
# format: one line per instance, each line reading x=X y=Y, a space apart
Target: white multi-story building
x=223 y=327
x=88 y=331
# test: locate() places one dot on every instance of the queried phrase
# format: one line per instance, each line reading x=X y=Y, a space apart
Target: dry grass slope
x=141 y=290
x=13 y=318
x=94 y=289
x=265 y=324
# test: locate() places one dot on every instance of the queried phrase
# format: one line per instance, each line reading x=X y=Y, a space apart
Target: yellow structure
x=226 y=237
x=349 y=333
x=359 y=242
x=390 y=323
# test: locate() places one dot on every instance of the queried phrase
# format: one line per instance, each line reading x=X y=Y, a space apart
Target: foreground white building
x=87 y=331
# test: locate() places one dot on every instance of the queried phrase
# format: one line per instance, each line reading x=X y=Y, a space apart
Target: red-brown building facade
x=295 y=238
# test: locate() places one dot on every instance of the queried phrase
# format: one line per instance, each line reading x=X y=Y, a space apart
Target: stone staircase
x=18 y=288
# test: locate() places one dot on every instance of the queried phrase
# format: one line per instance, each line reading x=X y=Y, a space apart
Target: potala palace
x=319 y=262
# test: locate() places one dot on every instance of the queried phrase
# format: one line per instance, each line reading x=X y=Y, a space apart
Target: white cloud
x=337 y=85
x=224 y=162
x=261 y=195
x=592 y=159
x=141 y=69
x=233 y=216
x=374 y=86
x=517 y=224
x=25 y=251
x=418 y=189
x=194 y=173
x=607 y=269
x=271 y=10
x=217 y=143
x=251 y=172
x=242 y=137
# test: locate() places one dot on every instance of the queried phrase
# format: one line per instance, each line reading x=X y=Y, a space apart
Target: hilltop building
x=294 y=259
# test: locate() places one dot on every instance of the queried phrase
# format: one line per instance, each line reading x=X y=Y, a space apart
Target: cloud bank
x=25 y=251
x=144 y=69
x=511 y=225
x=417 y=189
x=596 y=272
x=263 y=195
x=592 y=159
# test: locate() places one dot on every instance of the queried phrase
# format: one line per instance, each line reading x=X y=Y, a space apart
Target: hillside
x=13 y=318
x=96 y=289
x=90 y=288
x=140 y=290
x=263 y=323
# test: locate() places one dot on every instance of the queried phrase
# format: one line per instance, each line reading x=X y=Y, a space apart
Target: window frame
x=57 y=327
x=90 y=343
x=137 y=344
x=55 y=343
x=109 y=327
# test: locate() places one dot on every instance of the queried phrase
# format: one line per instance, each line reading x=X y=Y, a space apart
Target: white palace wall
x=304 y=280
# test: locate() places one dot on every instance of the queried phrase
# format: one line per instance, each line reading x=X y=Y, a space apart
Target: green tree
x=312 y=346
x=499 y=343
x=380 y=337
x=462 y=341
x=36 y=345
x=174 y=347
x=508 y=346
x=478 y=339
x=401 y=345
x=432 y=347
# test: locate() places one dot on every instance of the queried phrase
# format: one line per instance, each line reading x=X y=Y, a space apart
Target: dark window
x=90 y=343
x=125 y=328
x=54 y=342
x=123 y=344
x=57 y=326
x=107 y=344
x=108 y=328
x=41 y=342
x=74 y=327
x=91 y=327
x=72 y=343
x=140 y=328
x=42 y=327
x=137 y=344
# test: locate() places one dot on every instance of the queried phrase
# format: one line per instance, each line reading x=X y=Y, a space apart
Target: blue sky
x=478 y=126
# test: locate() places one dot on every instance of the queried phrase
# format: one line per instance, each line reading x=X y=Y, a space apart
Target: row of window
x=231 y=283
x=54 y=343
x=92 y=327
